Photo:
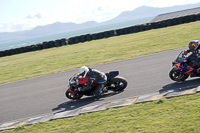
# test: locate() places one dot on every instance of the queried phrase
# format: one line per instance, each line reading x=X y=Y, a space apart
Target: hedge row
x=101 y=35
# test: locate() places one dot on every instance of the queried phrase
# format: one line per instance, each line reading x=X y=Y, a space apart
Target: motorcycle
x=114 y=83
x=181 y=69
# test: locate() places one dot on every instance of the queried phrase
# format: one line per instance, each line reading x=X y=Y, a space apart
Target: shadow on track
x=179 y=86
x=75 y=104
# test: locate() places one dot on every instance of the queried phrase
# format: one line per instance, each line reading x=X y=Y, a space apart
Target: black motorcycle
x=114 y=83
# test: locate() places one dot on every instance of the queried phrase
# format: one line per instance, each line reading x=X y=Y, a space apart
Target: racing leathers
x=98 y=77
x=194 y=58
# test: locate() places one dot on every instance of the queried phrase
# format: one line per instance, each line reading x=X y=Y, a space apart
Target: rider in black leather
x=194 y=58
x=93 y=75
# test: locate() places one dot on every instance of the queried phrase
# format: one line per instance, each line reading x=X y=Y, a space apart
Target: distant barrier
x=101 y=35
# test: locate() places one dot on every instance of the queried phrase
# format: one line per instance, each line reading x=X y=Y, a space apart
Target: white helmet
x=83 y=71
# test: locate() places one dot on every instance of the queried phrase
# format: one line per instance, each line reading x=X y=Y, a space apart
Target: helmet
x=193 y=45
x=83 y=71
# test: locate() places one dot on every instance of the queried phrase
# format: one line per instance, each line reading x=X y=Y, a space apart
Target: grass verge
x=53 y=60
x=175 y=115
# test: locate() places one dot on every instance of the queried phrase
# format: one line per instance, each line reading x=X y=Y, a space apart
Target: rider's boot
x=98 y=91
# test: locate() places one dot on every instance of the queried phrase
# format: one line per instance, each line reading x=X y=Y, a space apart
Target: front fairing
x=73 y=82
x=179 y=67
x=179 y=57
x=182 y=69
x=177 y=64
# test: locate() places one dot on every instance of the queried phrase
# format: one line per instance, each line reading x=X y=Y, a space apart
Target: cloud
x=100 y=8
x=81 y=11
x=31 y=20
x=88 y=10
x=38 y=15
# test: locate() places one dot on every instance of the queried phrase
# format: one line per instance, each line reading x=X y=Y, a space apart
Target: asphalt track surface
x=46 y=94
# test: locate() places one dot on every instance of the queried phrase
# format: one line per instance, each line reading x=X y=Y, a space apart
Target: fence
x=101 y=35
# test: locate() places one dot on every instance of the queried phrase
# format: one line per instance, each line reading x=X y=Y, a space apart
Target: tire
x=72 y=96
x=119 y=83
x=177 y=76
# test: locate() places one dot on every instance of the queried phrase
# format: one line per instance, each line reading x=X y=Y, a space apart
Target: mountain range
x=55 y=28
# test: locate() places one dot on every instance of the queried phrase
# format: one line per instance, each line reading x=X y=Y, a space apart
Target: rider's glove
x=185 y=53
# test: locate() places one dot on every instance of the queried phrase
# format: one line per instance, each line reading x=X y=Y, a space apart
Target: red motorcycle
x=114 y=83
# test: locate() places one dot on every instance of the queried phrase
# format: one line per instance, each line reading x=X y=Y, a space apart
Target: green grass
x=175 y=115
x=53 y=60
x=180 y=114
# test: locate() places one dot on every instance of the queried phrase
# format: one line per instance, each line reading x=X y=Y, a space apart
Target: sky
x=19 y=15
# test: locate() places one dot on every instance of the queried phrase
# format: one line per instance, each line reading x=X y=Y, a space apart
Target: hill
x=55 y=28
x=145 y=11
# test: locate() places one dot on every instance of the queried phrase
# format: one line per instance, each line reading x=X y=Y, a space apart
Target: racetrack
x=46 y=94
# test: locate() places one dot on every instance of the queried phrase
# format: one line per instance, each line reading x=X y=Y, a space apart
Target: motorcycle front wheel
x=70 y=95
x=178 y=76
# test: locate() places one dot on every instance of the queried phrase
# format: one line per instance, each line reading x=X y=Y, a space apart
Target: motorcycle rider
x=93 y=75
x=194 y=58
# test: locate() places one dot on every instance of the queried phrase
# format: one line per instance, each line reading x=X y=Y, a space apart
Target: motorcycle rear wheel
x=70 y=95
x=119 y=83
x=178 y=76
